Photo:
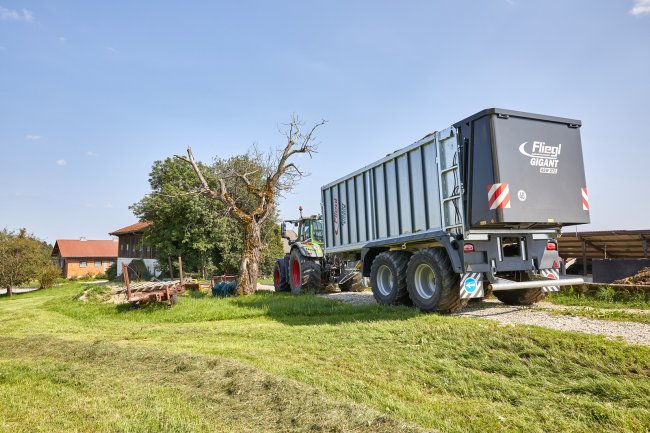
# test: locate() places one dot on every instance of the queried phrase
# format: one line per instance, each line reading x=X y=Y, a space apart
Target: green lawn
x=274 y=362
x=604 y=297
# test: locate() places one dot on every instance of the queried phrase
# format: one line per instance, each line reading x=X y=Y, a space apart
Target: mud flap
x=553 y=274
x=471 y=285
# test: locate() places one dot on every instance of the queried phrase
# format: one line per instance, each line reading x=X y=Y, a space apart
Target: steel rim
x=385 y=280
x=425 y=281
x=295 y=273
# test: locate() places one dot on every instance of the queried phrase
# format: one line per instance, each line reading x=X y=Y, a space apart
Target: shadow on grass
x=310 y=309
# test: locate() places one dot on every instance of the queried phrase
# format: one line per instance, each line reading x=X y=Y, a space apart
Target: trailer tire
x=388 y=277
x=304 y=273
x=280 y=277
x=520 y=297
x=354 y=284
x=432 y=283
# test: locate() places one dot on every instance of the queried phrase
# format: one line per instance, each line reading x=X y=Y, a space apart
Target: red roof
x=79 y=248
x=133 y=228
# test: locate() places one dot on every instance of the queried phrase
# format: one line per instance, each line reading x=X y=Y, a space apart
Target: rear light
x=468 y=248
x=551 y=246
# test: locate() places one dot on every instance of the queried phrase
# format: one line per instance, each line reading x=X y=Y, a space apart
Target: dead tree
x=279 y=174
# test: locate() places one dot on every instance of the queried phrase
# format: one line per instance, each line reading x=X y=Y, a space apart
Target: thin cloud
x=62 y=38
x=24 y=15
x=60 y=162
x=111 y=49
x=91 y=153
x=641 y=7
x=33 y=137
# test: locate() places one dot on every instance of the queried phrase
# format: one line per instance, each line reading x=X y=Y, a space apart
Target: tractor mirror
x=283 y=230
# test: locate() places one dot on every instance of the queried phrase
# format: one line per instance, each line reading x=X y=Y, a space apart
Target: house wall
x=72 y=267
x=131 y=246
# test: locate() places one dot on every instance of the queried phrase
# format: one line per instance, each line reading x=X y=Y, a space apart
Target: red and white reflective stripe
x=585 y=199
x=499 y=196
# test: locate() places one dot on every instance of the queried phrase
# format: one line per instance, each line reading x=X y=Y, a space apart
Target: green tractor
x=307 y=268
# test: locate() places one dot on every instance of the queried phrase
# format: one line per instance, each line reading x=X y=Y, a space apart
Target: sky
x=92 y=93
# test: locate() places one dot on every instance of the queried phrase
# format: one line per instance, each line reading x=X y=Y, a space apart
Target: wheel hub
x=385 y=280
x=425 y=281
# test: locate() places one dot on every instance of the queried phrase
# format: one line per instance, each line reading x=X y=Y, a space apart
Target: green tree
x=22 y=258
x=192 y=226
x=249 y=188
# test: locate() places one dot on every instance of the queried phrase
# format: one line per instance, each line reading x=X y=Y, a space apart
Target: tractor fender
x=303 y=251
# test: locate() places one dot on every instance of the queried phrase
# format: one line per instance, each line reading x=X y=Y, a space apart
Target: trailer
x=466 y=211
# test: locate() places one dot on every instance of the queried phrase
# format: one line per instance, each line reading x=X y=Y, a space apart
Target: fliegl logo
x=542 y=155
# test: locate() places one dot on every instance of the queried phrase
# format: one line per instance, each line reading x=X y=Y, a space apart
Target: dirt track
x=631 y=332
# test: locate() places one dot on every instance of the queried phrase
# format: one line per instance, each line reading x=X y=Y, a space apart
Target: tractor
x=306 y=268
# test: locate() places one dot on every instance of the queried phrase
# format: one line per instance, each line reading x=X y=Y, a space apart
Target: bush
x=48 y=276
x=111 y=272
x=100 y=276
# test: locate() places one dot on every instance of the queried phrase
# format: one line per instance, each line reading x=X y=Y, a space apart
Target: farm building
x=609 y=255
x=131 y=245
x=84 y=258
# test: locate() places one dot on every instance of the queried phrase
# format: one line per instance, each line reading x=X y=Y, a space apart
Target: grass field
x=604 y=297
x=273 y=362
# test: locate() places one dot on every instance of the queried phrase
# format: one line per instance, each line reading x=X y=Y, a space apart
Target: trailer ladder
x=450 y=186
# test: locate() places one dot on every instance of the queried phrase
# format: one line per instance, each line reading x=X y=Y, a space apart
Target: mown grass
x=359 y=368
x=612 y=315
x=602 y=297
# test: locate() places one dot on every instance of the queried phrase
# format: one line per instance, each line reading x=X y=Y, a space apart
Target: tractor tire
x=354 y=284
x=432 y=283
x=521 y=296
x=280 y=277
x=388 y=277
x=304 y=274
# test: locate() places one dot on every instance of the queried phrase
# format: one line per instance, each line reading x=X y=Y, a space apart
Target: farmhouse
x=84 y=258
x=131 y=245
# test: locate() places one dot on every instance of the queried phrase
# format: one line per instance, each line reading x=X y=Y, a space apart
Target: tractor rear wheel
x=304 y=273
x=280 y=277
x=388 y=277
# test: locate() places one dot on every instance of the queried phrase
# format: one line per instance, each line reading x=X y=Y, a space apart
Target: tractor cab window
x=317 y=227
x=304 y=232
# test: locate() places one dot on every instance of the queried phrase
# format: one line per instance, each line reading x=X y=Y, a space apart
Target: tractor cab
x=310 y=229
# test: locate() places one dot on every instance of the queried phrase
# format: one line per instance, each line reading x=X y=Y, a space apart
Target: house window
x=98 y=264
x=83 y=264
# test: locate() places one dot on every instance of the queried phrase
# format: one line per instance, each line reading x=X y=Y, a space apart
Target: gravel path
x=631 y=332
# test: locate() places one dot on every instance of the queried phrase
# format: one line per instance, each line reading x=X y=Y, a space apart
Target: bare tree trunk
x=10 y=291
x=249 y=266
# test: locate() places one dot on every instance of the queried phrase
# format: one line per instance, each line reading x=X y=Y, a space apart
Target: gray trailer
x=468 y=210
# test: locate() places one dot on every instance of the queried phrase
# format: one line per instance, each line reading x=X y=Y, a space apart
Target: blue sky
x=91 y=93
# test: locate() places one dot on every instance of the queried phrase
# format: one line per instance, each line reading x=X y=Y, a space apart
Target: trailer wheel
x=521 y=296
x=280 y=280
x=354 y=284
x=304 y=273
x=388 y=277
x=432 y=283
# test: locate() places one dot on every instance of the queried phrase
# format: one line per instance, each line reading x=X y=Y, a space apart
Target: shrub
x=100 y=276
x=48 y=276
x=111 y=272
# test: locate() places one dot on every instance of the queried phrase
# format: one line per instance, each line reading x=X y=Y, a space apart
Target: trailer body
x=504 y=181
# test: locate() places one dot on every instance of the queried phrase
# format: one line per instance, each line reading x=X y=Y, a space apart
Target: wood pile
x=642 y=278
